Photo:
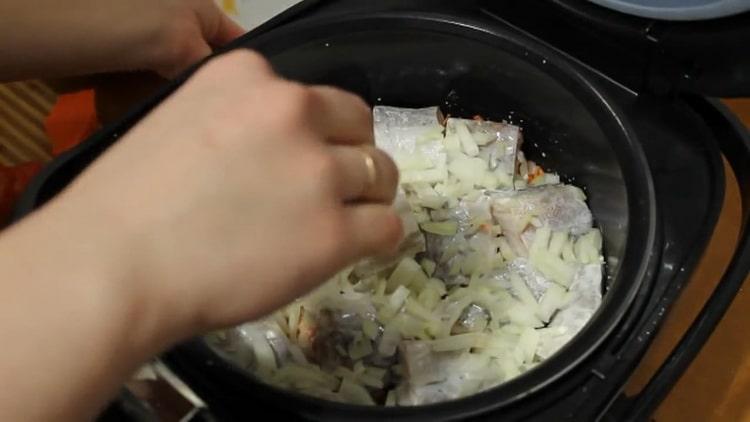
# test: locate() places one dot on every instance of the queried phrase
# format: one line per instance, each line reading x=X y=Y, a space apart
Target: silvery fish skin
x=561 y=207
x=414 y=140
x=533 y=279
x=457 y=375
x=585 y=293
x=466 y=212
x=408 y=395
x=399 y=130
x=421 y=365
x=336 y=329
x=245 y=338
x=473 y=319
x=587 y=297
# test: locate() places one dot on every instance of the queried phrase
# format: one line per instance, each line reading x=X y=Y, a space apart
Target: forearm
x=50 y=38
x=75 y=321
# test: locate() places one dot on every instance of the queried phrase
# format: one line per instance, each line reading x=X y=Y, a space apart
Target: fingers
x=227 y=31
x=197 y=51
x=217 y=27
x=374 y=230
x=339 y=122
x=345 y=117
x=366 y=174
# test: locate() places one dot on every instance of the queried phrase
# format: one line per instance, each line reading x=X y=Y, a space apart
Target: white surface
x=251 y=13
x=678 y=10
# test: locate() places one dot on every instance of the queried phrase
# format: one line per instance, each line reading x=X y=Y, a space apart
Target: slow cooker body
x=569 y=125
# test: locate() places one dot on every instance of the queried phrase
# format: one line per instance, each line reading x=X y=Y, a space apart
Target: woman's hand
x=243 y=191
x=50 y=38
x=239 y=193
x=187 y=32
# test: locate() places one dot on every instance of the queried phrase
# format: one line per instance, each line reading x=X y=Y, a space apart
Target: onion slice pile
x=500 y=267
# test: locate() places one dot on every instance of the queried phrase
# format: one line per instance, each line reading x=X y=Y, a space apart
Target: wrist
x=80 y=37
x=77 y=257
x=71 y=312
x=115 y=258
x=170 y=41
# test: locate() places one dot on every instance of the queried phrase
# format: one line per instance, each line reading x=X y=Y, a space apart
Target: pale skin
x=239 y=193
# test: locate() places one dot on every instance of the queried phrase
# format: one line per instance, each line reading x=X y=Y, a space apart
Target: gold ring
x=372 y=171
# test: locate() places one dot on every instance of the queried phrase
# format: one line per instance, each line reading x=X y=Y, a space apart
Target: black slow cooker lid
x=707 y=57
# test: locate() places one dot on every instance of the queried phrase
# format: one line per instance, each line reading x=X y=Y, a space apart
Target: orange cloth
x=71 y=121
x=13 y=180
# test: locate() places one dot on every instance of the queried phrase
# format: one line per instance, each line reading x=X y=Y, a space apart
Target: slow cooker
x=616 y=103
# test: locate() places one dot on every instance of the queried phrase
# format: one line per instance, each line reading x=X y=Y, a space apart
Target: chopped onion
x=555 y=268
x=452 y=143
x=434 y=175
x=414 y=307
x=293 y=311
x=505 y=249
x=554 y=298
x=404 y=274
x=370 y=329
x=587 y=248
x=540 y=242
x=459 y=342
x=355 y=394
x=407 y=162
x=523 y=316
x=428 y=266
x=310 y=375
x=442 y=228
x=389 y=341
x=546 y=262
x=491 y=278
x=398 y=297
x=557 y=242
x=360 y=348
x=521 y=290
x=469 y=170
x=528 y=343
x=468 y=145
x=567 y=252
x=510 y=369
x=483 y=138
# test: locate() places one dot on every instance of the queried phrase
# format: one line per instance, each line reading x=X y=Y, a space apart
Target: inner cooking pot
x=569 y=127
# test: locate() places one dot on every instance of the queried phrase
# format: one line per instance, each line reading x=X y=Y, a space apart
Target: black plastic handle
x=734 y=142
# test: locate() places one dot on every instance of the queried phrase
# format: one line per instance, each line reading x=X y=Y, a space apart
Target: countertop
x=716 y=387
